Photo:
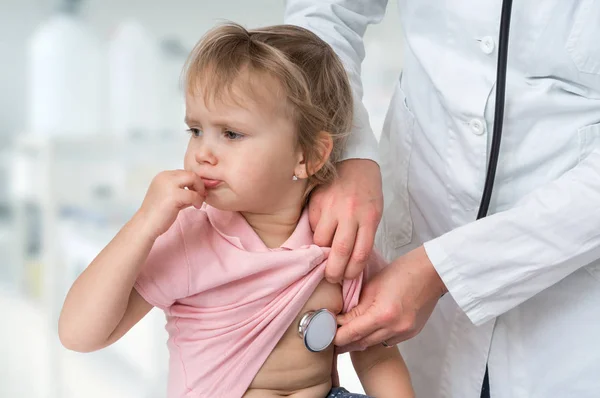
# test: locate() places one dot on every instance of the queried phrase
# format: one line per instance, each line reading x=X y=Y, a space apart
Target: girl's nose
x=205 y=155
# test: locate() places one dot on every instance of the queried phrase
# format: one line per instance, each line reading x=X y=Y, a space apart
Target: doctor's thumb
x=355 y=325
x=345 y=318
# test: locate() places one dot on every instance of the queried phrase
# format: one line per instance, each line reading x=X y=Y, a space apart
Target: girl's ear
x=323 y=151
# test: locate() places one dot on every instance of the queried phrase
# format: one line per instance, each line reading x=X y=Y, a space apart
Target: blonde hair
x=314 y=82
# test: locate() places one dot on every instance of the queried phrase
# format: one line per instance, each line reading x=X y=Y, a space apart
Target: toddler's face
x=244 y=150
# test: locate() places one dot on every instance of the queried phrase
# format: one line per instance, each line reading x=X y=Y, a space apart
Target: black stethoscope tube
x=496 y=133
x=499 y=111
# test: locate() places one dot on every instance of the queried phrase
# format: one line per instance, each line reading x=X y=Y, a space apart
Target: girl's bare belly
x=291 y=370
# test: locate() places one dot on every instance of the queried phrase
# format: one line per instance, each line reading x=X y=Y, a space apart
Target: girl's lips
x=209 y=184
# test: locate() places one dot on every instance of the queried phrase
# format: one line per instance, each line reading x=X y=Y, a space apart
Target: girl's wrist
x=142 y=225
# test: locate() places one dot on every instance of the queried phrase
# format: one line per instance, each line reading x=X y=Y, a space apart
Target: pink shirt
x=228 y=298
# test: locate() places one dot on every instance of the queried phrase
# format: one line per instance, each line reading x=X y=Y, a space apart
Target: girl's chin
x=218 y=203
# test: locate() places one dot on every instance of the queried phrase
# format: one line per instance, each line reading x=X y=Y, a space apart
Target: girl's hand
x=169 y=192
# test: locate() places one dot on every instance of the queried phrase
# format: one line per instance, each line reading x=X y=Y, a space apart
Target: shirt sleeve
x=164 y=277
x=342 y=24
x=494 y=264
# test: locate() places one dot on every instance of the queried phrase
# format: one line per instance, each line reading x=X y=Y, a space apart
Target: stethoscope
x=496 y=134
x=318 y=328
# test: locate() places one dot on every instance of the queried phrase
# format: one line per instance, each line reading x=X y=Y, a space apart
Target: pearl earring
x=294 y=178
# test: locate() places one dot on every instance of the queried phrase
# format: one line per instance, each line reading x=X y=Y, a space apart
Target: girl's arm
x=102 y=304
x=382 y=372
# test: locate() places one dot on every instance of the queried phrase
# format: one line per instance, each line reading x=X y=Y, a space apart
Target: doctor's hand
x=344 y=216
x=394 y=305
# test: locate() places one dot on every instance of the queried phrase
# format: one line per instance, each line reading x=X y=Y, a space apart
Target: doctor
x=524 y=283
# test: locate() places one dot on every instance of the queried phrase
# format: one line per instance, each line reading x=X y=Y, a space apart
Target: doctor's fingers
x=390 y=334
x=383 y=336
x=325 y=226
x=375 y=325
x=341 y=250
x=356 y=330
x=363 y=246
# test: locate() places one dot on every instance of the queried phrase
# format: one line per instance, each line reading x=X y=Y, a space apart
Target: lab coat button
x=487 y=45
x=477 y=126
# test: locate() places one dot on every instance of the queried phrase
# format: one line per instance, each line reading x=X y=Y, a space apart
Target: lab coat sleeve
x=342 y=25
x=494 y=264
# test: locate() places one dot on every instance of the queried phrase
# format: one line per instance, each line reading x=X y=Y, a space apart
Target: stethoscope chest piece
x=317 y=329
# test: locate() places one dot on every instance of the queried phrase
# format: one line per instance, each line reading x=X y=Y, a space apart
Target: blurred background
x=90 y=110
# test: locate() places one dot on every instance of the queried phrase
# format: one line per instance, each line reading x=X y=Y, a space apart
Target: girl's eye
x=230 y=135
x=195 y=132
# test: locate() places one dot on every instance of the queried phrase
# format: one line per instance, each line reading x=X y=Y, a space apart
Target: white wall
x=183 y=19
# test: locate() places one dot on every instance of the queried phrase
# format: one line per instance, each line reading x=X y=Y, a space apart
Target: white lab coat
x=524 y=283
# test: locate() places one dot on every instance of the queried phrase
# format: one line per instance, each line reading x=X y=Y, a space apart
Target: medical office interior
x=91 y=108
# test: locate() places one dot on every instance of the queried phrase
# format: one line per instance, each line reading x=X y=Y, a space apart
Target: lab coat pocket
x=589 y=141
x=395 y=148
x=582 y=43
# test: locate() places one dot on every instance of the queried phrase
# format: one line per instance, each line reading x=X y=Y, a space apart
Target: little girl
x=224 y=246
